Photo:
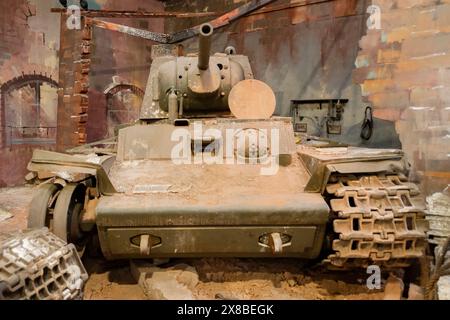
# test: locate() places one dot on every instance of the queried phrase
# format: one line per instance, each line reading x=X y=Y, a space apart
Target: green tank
x=209 y=172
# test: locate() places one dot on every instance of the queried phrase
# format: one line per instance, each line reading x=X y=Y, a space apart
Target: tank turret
x=201 y=82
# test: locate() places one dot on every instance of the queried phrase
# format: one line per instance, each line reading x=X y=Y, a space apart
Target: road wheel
x=67 y=213
x=42 y=206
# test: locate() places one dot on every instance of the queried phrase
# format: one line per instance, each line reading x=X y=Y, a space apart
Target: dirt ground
x=217 y=278
x=15 y=202
x=252 y=279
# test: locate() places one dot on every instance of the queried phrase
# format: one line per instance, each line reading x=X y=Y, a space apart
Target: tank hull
x=232 y=228
x=352 y=205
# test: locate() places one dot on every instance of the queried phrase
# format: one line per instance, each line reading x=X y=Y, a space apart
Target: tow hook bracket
x=275 y=241
x=144 y=246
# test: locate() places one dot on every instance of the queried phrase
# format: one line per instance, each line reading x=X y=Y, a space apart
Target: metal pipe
x=173 y=106
x=180 y=112
x=206 y=31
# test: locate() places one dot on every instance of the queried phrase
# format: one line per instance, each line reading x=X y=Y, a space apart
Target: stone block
x=173 y=283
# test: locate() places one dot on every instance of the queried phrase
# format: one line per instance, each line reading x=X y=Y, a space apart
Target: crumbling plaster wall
x=29 y=36
x=29 y=42
x=404 y=71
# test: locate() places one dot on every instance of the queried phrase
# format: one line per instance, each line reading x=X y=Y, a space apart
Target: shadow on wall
x=384 y=135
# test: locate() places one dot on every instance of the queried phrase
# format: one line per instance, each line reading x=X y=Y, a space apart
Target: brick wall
x=404 y=71
x=112 y=56
x=73 y=100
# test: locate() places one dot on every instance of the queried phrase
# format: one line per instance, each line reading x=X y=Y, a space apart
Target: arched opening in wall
x=29 y=110
x=123 y=103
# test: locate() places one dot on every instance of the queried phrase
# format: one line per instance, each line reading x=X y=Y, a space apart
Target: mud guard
x=320 y=168
x=73 y=168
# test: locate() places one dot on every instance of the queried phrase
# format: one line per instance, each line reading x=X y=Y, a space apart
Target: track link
x=377 y=220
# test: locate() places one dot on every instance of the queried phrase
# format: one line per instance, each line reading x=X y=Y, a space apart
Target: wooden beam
x=137 y=14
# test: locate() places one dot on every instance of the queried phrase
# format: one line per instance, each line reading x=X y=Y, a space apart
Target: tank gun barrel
x=206 y=31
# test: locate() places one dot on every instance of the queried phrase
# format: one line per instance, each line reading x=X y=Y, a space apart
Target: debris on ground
x=443 y=288
x=439 y=216
x=443 y=270
x=394 y=288
x=173 y=283
x=15 y=201
x=111 y=280
x=224 y=279
x=440 y=269
x=4 y=215
x=37 y=265
x=415 y=292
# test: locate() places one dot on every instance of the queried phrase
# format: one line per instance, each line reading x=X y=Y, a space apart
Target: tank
x=209 y=172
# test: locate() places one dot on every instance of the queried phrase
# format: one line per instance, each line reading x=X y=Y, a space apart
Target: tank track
x=377 y=220
x=37 y=265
